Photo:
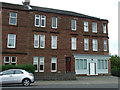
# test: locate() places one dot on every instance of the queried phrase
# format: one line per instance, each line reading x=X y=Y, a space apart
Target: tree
x=115 y=65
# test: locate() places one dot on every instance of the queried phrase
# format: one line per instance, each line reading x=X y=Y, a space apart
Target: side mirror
x=1 y=74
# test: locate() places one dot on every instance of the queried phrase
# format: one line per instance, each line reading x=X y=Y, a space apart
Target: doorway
x=92 y=68
x=68 y=64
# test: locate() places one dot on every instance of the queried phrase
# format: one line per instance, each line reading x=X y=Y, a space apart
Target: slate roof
x=48 y=10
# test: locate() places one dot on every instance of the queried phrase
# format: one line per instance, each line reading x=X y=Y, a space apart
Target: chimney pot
x=26 y=2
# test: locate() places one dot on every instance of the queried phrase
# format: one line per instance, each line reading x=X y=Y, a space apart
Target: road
x=81 y=82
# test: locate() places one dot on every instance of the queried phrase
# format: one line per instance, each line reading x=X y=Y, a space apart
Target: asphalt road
x=81 y=82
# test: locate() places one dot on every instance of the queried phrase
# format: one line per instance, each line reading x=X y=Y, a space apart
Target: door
x=7 y=76
x=92 y=68
x=68 y=64
x=18 y=75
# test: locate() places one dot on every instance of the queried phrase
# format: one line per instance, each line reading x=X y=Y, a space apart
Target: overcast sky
x=105 y=9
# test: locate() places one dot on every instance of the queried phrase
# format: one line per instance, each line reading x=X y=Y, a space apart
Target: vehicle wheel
x=26 y=82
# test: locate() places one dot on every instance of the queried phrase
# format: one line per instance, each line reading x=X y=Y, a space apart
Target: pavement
x=83 y=80
x=80 y=82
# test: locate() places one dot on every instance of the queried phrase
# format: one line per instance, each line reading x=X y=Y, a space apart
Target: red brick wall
x=25 y=31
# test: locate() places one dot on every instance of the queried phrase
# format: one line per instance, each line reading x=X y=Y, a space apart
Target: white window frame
x=86 y=44
x=42 y=37
x=12 y=61
x=86 y=26
x=38 y=19
x=104 y=28
x=95 y=44
x=5 y=61
x=40 y=64
x=105 y=45
x=72 y=25
x=94 y=27
x=55 y=20
x=74 y=43
x=52 y=61
x=101 y=64
x=83 y=64
x=36 y=63
x=11 y=17
x=54 y=42
x=35 y=40
x=44 y=20
x=8 y=42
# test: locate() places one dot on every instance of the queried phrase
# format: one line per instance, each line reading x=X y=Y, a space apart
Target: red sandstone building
x=61 y=44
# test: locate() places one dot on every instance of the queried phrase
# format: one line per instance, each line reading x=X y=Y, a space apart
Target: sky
x=104 y=9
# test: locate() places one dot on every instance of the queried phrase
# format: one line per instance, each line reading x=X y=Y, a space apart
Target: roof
x=91 y=56
x=48 y=10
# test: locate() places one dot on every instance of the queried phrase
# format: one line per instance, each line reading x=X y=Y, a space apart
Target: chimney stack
x=26 y=2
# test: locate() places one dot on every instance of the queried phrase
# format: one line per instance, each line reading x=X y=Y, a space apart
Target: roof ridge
x=51 y=10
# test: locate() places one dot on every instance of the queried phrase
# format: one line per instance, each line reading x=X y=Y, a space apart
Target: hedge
x=115 y=72
x=28 y=67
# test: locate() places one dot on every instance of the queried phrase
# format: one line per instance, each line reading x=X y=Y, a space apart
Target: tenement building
x=60 y=44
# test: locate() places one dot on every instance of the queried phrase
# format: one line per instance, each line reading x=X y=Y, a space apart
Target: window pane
x=12 y=14
x=41 y=67
x=54 y=63
x=54 y=42
x=73 y=24
x=81 y=64
x=8 y=72
x=98 y=64
x=94 y=27
x=53 y=66
x=41 y=63
x=86 y=26
x=13 y=21
x=36 y=41
x=13 y=60
x=54 y=22
x=85 y=44
x=37 y=20
x=43 y=21
x=104 y=28
x=7 y=59
x=85 y=63
x=13 y=18
x=73 y=43
x=18 y=72
x=102 y=64
x=94 y=45
x=35 y=63
x=42 y=41
x=106 y=64
x=77 y=64
x=11 y=40
x=105 y=45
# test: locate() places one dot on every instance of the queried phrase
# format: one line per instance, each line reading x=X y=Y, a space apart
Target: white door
x=92 y=68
